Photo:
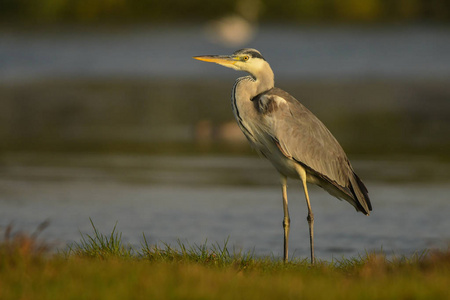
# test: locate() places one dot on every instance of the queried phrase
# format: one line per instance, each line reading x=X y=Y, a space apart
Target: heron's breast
x=284 y=165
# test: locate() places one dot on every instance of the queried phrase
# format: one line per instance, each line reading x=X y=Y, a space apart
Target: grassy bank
x=102 y=267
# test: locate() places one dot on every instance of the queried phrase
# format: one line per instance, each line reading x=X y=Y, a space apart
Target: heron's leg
x=286 y=219
x=310 y=217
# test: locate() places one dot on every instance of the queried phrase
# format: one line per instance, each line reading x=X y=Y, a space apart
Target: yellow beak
x=218 y=59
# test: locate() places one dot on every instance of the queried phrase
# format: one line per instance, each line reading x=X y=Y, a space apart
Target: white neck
x=262 y=80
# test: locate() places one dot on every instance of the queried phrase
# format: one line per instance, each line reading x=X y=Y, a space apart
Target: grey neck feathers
x=255 y=84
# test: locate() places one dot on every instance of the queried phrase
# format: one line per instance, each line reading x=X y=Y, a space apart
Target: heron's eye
x=245 y=58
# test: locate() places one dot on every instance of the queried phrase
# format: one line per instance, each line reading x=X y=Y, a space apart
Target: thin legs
x=286 y=220
x=310 y=217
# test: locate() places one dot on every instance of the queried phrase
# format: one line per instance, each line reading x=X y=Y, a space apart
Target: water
x=213 y=198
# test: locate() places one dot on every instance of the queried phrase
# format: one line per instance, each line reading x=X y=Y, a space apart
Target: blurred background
x=104 y=114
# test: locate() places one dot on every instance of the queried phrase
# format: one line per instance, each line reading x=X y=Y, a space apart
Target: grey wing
x=301 y=136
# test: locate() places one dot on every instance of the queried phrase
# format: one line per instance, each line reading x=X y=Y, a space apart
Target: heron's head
x=248 y=60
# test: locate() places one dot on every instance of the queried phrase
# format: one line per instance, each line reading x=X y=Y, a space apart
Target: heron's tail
x=360 y=194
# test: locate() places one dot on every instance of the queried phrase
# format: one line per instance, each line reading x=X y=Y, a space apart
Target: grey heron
x=292 y=138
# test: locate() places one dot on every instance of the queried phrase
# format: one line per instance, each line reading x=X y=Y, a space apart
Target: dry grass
x=27 y=271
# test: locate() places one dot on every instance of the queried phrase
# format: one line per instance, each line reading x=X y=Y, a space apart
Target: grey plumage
x=292 y=138
x=301 y=136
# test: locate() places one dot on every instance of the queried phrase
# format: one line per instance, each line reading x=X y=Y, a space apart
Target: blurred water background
x=114 y=121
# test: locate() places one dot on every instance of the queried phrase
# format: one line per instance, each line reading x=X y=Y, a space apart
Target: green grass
x=102 y=267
